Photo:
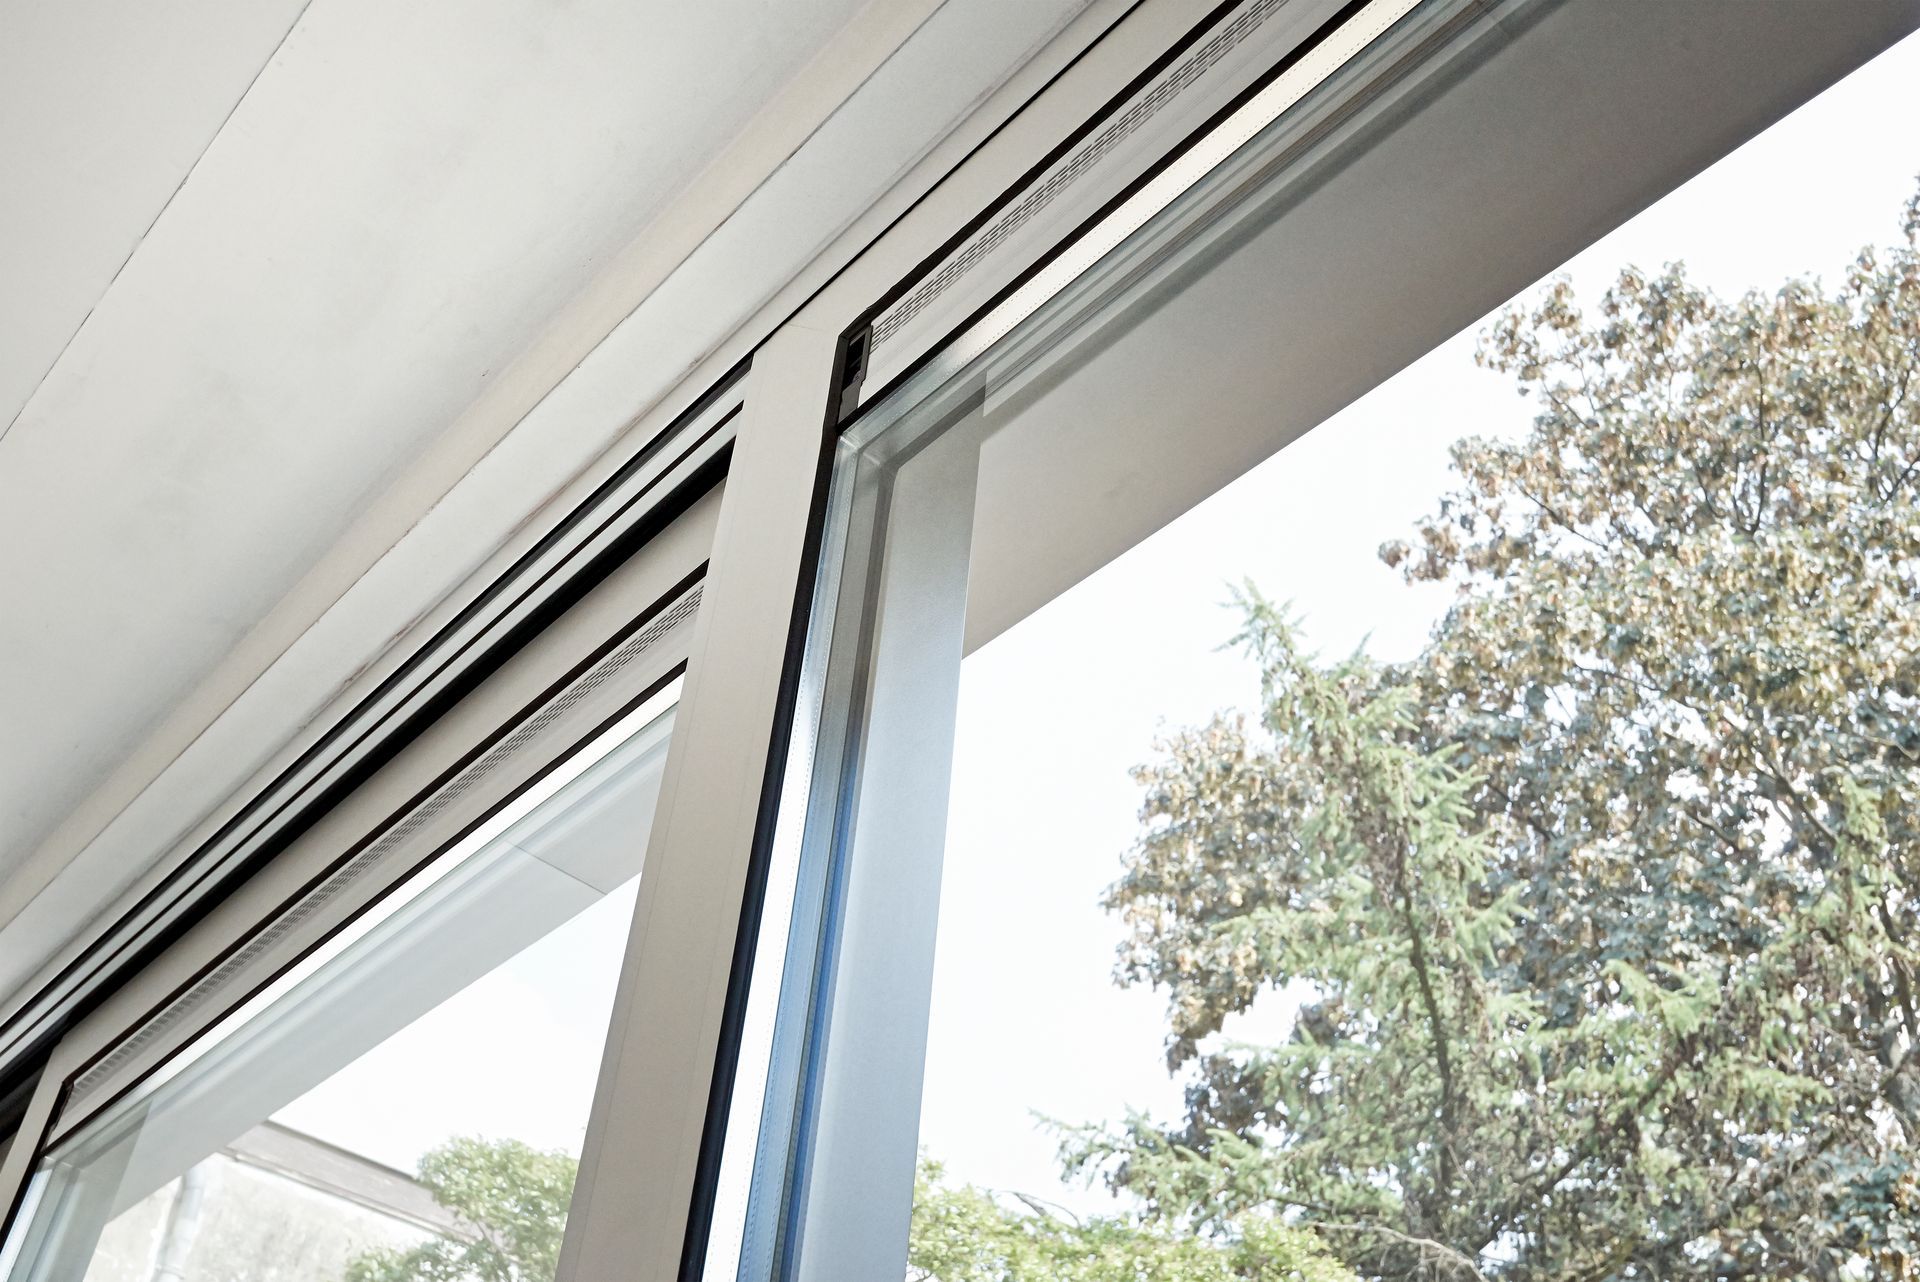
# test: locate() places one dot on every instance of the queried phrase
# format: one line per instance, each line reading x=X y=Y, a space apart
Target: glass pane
x=408 y=1104
x=1479 y=842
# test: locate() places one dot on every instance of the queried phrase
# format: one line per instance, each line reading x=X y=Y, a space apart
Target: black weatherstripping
x=926 y=266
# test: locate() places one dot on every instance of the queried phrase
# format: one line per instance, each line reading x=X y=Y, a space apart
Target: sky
x=1026 y=1018
x=514 y=1054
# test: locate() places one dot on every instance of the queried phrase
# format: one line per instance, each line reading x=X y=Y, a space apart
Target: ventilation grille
x=1173 y=82
x=209 y=987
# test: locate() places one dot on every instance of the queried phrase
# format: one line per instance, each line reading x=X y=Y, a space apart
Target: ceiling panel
x=104 y=108
x=403 y=198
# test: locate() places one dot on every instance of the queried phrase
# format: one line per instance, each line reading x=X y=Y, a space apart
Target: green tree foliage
x=514 y=1199
x=964 y=1235
x=1602 y=908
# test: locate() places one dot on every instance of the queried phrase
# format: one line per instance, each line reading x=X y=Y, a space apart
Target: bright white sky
x=1026 y=1016
x=512 y=1055
x=1053 y=714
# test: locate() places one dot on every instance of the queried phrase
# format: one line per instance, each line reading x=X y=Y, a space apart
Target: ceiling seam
x=165 y=205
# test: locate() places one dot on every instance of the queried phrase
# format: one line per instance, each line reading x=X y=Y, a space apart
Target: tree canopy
x=513 y=1196
x=966 y=1235
x=1604 y=903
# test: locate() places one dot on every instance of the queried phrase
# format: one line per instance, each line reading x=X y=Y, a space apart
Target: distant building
x=275 y=1205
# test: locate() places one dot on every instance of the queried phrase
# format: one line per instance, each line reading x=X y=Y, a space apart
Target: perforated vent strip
x=1177 y=80
x=210 y=986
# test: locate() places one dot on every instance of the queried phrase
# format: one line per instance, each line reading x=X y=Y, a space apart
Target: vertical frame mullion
x=22 y=1156
x=636 y=1211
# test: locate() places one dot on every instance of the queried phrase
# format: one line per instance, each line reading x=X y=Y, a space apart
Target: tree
x=514 y=1199
x=512 y=1195
x=965 y=1235
x=1606 y=901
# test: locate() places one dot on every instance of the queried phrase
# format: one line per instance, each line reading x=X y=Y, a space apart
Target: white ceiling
x=404 y=195
x=258 y=257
